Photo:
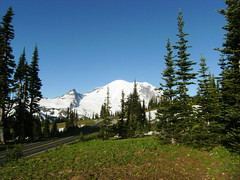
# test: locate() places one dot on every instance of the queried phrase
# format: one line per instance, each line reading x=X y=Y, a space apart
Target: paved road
x=34 y=148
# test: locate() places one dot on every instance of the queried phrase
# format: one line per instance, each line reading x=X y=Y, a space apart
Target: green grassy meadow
x=139 y=158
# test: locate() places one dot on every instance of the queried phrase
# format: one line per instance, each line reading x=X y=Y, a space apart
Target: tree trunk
x=1 y=127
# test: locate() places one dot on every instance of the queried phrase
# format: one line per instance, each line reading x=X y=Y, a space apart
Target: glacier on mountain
x=90 y=103
x=57 y=106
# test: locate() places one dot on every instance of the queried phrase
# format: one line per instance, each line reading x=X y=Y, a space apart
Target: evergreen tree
x=96 y=116
x=122 y=114
x=34 y=83
x=67 y=121
x=121 y=124
x=206 y=129
x=135 y=114
x=166 y=112
x=54 y=130
x=72 y=116
x=21 y=85
x=105 y=108
x=153 y=103
x=21 y=70
x=231 y=74
x=105 y=129
x=203 y=78
x=36 y=131
x=142 y=120
x=209 y=112
x=108 y=107
x=34 y=89
x=169 y=126
x=46 y=127
x=7 y=65
x=185 y=78
x=133 y=111
x=184 y=74
x=169 y=75
x=211 y=109
x=223 y=64
x=202 y=99
x=175 y=116
x=104 y=111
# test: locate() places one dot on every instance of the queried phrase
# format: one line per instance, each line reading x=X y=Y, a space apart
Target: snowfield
x=90 y=103
x=72 y=98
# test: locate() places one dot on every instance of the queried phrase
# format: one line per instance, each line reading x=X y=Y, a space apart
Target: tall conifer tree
x=34 y=88
x=182 y=120
x=46 y=127
x=206 y=130
x=21 y=85
x=105 y=114
x=121 y=124
x=135 y=113
x=169 y=75
x=7 y=65
x=203 y=77
x=166 y=112
x=231 y=74
x=184 y=71
x=54 y=130
x=132 y=108
x=34 y=83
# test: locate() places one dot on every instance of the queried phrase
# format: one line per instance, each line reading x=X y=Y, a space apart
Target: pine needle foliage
x=184 y=65
x=7 y=65
x=230 y=86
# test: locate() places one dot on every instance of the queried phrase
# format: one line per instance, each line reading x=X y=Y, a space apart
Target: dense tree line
x=132 y=119
x=211 y=118
x=136 y=121
x=70 y=119
x=19 y=89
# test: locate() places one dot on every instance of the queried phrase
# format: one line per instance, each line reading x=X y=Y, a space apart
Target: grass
x=140 y=158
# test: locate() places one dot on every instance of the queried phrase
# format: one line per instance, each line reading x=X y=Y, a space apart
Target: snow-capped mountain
x=55 y=107
x=90 y=103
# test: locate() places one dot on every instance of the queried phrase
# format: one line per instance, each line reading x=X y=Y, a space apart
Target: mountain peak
x=119 y=82
x=70 y=99
x=73 y=91
x=90 y=103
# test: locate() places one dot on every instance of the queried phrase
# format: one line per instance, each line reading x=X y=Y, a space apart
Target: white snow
x=90 y=103
x=150 y=133
x=60 y=129
x=65 y=101
x=151 y=115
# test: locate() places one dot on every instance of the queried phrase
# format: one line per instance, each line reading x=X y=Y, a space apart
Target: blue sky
x=84 y=44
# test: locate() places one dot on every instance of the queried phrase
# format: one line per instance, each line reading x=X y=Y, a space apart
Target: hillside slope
x=139 y=158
